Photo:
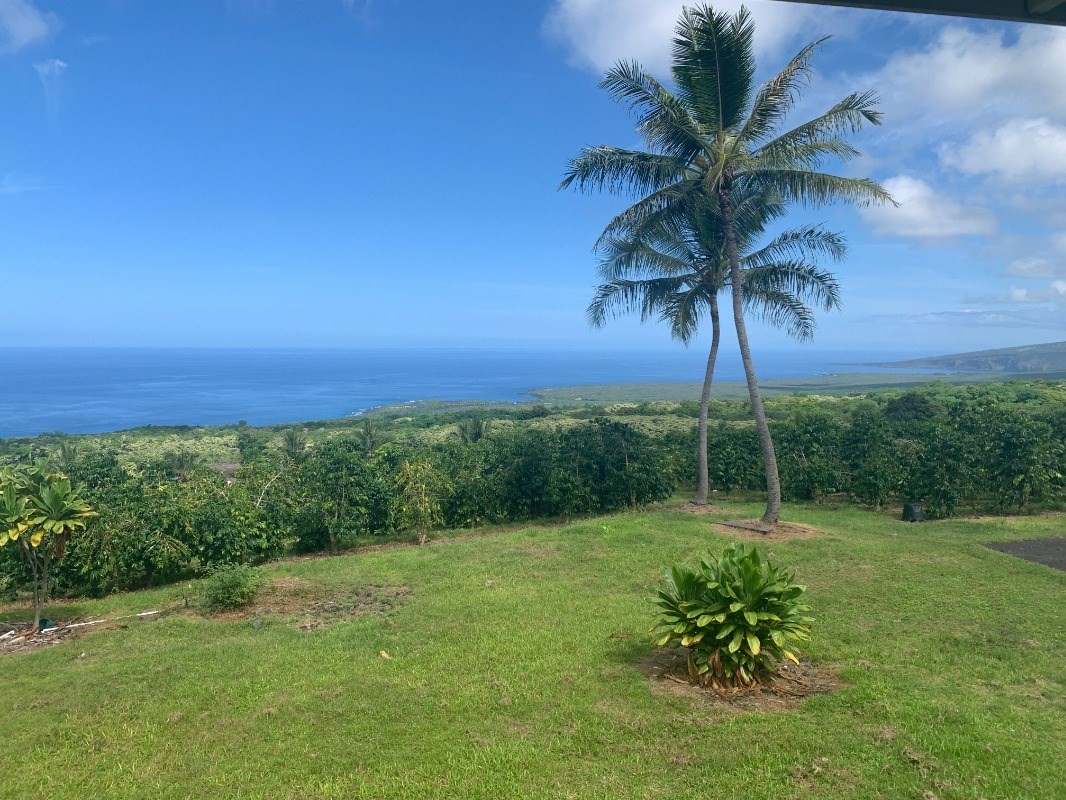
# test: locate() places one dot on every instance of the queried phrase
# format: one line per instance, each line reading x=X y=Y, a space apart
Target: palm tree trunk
x=703 y=482
x=766 y=444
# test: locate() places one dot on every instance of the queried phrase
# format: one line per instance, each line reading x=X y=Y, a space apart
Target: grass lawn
x=511 y=676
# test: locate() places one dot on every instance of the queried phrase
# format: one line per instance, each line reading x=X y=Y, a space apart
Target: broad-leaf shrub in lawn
x=738 y=614
x=230 y=586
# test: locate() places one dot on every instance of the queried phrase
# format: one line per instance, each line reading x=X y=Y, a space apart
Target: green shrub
x=230 y=586
x=738 y=615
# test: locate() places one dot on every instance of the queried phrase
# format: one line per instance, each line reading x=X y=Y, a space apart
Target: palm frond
x=635 y=258
x=783 y=310
x=777 y=96
x=684 y=310
x=664 y=122
x=675 y=198
x=803 y=279
x=818 y=188
x=619 y=297
x=845 y=118
x=807 y=155
x=714 y=65
x=621 y=171
x=809 y=240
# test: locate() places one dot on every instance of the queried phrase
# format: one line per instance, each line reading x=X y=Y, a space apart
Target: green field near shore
x=838 y=384
x=512 y=672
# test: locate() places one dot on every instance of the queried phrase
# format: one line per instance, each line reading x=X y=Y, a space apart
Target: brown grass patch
x=782 y=532
x=282 y=597
x=309 y=606
x=667 y=670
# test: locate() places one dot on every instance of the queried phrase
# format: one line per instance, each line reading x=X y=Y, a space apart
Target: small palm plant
x=294 y=445
x=471 y=431
x=370 y=436
x=738 y=615
x=39 y=510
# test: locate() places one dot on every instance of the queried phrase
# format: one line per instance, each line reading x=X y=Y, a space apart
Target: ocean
x=94 y=390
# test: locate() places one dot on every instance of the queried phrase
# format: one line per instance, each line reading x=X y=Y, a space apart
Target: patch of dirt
x=782 y=532
x=282 y=597
x=1050 y=552
x=379 y=600
x=17 y=638
x=667 y=671
x=310 y=607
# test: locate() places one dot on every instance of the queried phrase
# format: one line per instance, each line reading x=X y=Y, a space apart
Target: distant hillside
x=1016 y=360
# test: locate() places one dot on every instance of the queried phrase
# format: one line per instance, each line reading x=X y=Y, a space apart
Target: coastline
x=837 y=384
x=63 y=392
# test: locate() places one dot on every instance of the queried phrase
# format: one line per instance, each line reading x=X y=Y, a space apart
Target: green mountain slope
x=1028 y=359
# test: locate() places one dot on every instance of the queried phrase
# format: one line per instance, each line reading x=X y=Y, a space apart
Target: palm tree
x=716 y=136
x=370 y=436
x=293 y=445
x=674 y=267
x=473 y=430
x=182 y=463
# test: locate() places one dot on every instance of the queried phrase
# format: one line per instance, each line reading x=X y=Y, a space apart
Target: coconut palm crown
x=673 y=268
x=716 y=135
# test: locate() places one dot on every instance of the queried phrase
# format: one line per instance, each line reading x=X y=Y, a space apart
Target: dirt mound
x=752 y=530
x=668 y=670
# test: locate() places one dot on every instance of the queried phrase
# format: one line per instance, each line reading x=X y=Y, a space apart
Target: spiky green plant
x=473 y=430
x=738 y=615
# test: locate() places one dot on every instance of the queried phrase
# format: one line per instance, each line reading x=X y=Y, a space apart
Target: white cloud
x=1036 y=268
x=50 y=72
x=1050 y=297
x=599 y=33
x=1046 y=318
x=19 y=184
x=970 y=74
x=50 y=68
x=21 y=24
x=924 y=214
x=1019 y=151
x=1058 y=241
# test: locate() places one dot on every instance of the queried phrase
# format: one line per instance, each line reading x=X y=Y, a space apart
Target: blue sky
x=331 y=173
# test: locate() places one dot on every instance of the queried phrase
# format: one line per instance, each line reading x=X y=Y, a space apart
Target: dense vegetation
x=166 y=513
